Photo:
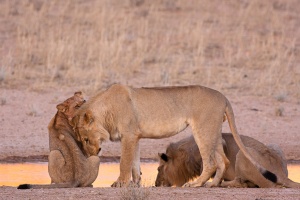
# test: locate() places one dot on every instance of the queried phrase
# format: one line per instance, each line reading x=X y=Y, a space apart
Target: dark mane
x=186 y=161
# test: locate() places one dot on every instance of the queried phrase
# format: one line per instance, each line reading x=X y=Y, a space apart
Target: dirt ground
x=24 y=137
x=153 y=193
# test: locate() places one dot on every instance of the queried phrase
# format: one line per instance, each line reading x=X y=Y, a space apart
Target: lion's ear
x=88 y=117
x=61 y=107
x=79 y=94
x=74 y=121
x=163 y=156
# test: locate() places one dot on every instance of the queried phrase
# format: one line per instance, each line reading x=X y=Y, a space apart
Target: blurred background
x=248 y=47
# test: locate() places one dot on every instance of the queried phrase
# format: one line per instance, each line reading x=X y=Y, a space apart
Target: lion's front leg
x=129 y=144
x=136 y=168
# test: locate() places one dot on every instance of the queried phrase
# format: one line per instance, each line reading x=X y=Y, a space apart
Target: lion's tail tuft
x=24 y=186
x=270 y=176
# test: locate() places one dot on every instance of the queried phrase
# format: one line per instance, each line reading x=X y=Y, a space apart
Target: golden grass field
x=245 y=46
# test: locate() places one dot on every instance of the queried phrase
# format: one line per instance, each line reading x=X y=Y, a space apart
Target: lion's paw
x=192 y=184
x=210 y=185
x=118 y=184
x=187 y=185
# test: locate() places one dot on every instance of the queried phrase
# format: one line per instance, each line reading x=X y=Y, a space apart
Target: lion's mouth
x=99 y=152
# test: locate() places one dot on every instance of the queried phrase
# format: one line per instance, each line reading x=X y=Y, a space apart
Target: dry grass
x=33 y=110
x=135 y=193
x=238 y=46
x=279 y=111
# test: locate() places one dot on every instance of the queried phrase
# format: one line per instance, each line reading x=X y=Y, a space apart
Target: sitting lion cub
x=182 y=162
x=67 y=166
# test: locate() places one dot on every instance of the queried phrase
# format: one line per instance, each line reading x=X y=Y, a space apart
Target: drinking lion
x=182 y=162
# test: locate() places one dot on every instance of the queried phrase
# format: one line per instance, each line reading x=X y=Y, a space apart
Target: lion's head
x=180 y=163
x=71 y=105
x=90 y=130
x=162 y=179
x=171 y=171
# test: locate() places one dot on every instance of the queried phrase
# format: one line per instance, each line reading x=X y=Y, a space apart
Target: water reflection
x=37 y=173
x=294 y=172
x=14 y=174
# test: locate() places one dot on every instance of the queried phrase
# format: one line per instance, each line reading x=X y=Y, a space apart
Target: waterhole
x=14 y=174
x=37 y=173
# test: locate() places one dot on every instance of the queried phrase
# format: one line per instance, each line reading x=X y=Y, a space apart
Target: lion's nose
x=157 y=184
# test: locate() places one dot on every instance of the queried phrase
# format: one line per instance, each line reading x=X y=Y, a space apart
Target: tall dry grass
x=238 y=46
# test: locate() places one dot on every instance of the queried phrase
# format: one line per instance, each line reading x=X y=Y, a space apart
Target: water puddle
x=13 y=174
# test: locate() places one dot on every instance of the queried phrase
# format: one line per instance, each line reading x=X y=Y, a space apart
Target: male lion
x=128 y=114
x=67 y=166
x=182 y=162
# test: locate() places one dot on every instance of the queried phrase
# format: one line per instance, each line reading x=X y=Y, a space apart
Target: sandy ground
x=24 y=116
x=153 y=193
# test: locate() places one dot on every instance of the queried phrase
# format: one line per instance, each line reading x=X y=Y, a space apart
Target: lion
x=127 y=114
x=182 y=162
x=67 y=166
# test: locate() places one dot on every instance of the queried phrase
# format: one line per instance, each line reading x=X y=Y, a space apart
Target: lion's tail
x=230 y=116
x=47 y=186
x=290 y=184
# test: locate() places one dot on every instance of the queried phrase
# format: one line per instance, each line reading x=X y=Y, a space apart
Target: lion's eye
x=77 y=106
x=86 y=140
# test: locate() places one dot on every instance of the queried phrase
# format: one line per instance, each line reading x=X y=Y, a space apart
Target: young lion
x=182 y=162
x=67 y=166
x=128 y=114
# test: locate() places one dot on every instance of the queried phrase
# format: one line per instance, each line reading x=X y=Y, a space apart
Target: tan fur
x=182 y=162
x=67 y=166
x=128 y=114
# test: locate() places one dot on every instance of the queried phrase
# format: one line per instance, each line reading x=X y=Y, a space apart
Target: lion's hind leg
x=91 y=171
x=56 y=163
x=209 y=142
x=222 y=165
x=236 y=183
x=248 y=172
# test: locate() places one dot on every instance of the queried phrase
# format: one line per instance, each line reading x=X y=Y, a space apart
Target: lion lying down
x=182 y=162
x=67 y=166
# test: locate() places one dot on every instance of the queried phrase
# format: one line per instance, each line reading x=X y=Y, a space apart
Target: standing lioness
x=128 y=114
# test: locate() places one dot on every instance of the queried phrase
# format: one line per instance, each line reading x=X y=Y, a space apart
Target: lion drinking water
x=182 y=162
x=129 y=114
x=67 y=166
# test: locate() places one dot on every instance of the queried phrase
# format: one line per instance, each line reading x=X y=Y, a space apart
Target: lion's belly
x=159 y=129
